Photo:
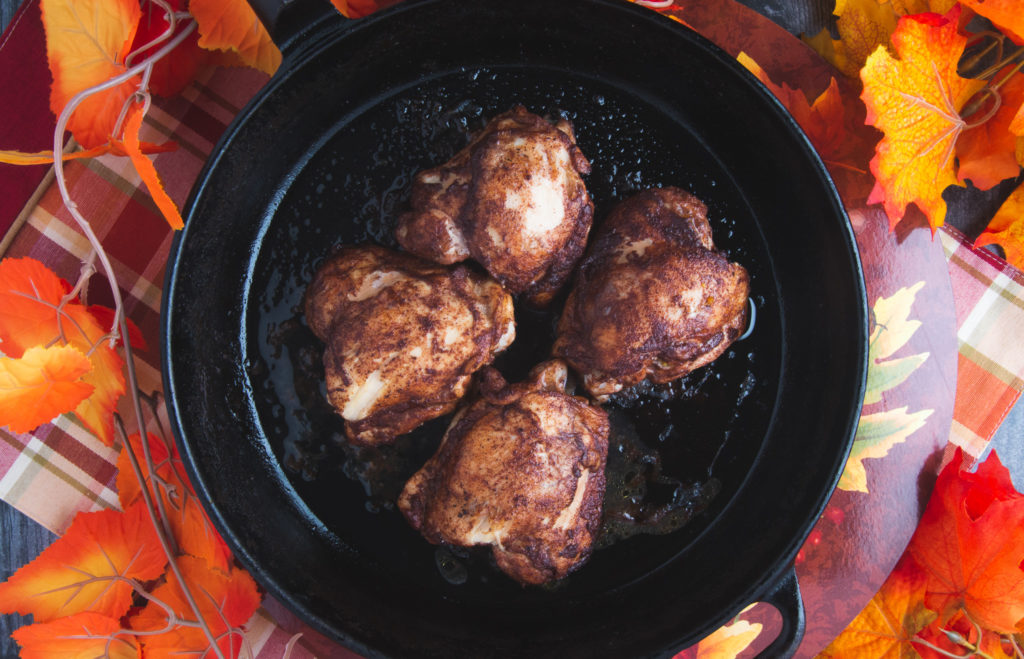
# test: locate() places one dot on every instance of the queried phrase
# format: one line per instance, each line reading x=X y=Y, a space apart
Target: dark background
x=22 y=540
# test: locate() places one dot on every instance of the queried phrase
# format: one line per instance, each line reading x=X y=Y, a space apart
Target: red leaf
x=178 y=68
x=971 y=543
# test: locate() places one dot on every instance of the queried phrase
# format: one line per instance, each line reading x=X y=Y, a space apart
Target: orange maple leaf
x=888 y=626
x=35 y=313
x=92 y=567
x=1007 y=228
x=41 y=384
x=147 y=171
x=86 y=44
x=1007 y=15
x=231 y=25
x=187 y=519
x=970 y=541
x=986 y=154
x=916 y=102
x=81 y=636
x=226 y=602
x=30 y=294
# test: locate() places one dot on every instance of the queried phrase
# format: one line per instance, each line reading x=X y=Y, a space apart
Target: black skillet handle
x=289 y=21
x=785 y=597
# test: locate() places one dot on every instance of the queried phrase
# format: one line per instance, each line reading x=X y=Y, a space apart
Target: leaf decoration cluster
x=942 y=81
x=958 y=590
x=58 y=356
x=110 y=588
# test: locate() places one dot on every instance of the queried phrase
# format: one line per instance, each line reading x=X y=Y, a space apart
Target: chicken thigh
x=403 y=336
x=512 y=200
x=653 y=298
x=522 y=470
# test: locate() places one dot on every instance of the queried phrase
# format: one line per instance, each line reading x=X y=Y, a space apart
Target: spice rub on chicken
x=653 y=298
x=520 y=469
x=512 y=200
x=403 y=336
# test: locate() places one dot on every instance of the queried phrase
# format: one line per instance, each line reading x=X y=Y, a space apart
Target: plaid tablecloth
x=60 y=469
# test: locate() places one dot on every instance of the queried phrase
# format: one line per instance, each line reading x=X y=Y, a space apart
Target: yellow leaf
x=86 y=43
x=916 y=102
x=729 y=641
x=876 y=435
x=41 y=384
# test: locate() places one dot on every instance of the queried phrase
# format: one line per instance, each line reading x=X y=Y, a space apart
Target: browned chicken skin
x=522 y=470
x=512 y=200
x=653 y=298
x=404 y=336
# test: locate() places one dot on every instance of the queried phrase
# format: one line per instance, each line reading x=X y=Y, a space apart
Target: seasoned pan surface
x=747 y=450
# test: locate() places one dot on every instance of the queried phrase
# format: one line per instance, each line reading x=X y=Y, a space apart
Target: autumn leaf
x=1007 y=228
x=830 y=129
x=29 y=295
x=876 y=435
x=916 y=102
x=893 y=330
x=36 y=314
x=173 y=72
x=84 y=635
x=225 y=601
x=986 y=153
x=878 y=432
x=887 y=627
x=41 y=384
x=86 y=43
x=187 y=519
x=937 y=635
x=729 y=641
x=89 y=568
x=231 y=25
x=1007 y=15
x=147 y=171
x=863 y=26
x=970 y=541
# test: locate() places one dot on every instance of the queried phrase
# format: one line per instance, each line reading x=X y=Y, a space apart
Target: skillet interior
x=325 y=154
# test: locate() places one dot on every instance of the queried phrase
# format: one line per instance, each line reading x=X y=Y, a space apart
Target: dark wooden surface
x=22 y=539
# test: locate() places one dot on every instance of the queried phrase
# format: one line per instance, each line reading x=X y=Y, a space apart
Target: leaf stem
x=992 y=70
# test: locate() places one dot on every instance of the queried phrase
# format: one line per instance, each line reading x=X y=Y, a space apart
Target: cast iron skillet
x=324 y=155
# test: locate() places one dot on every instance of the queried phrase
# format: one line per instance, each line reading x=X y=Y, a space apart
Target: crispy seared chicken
x=520 y=469
x=512 y=200
x=403 y=336
x=653 y=298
